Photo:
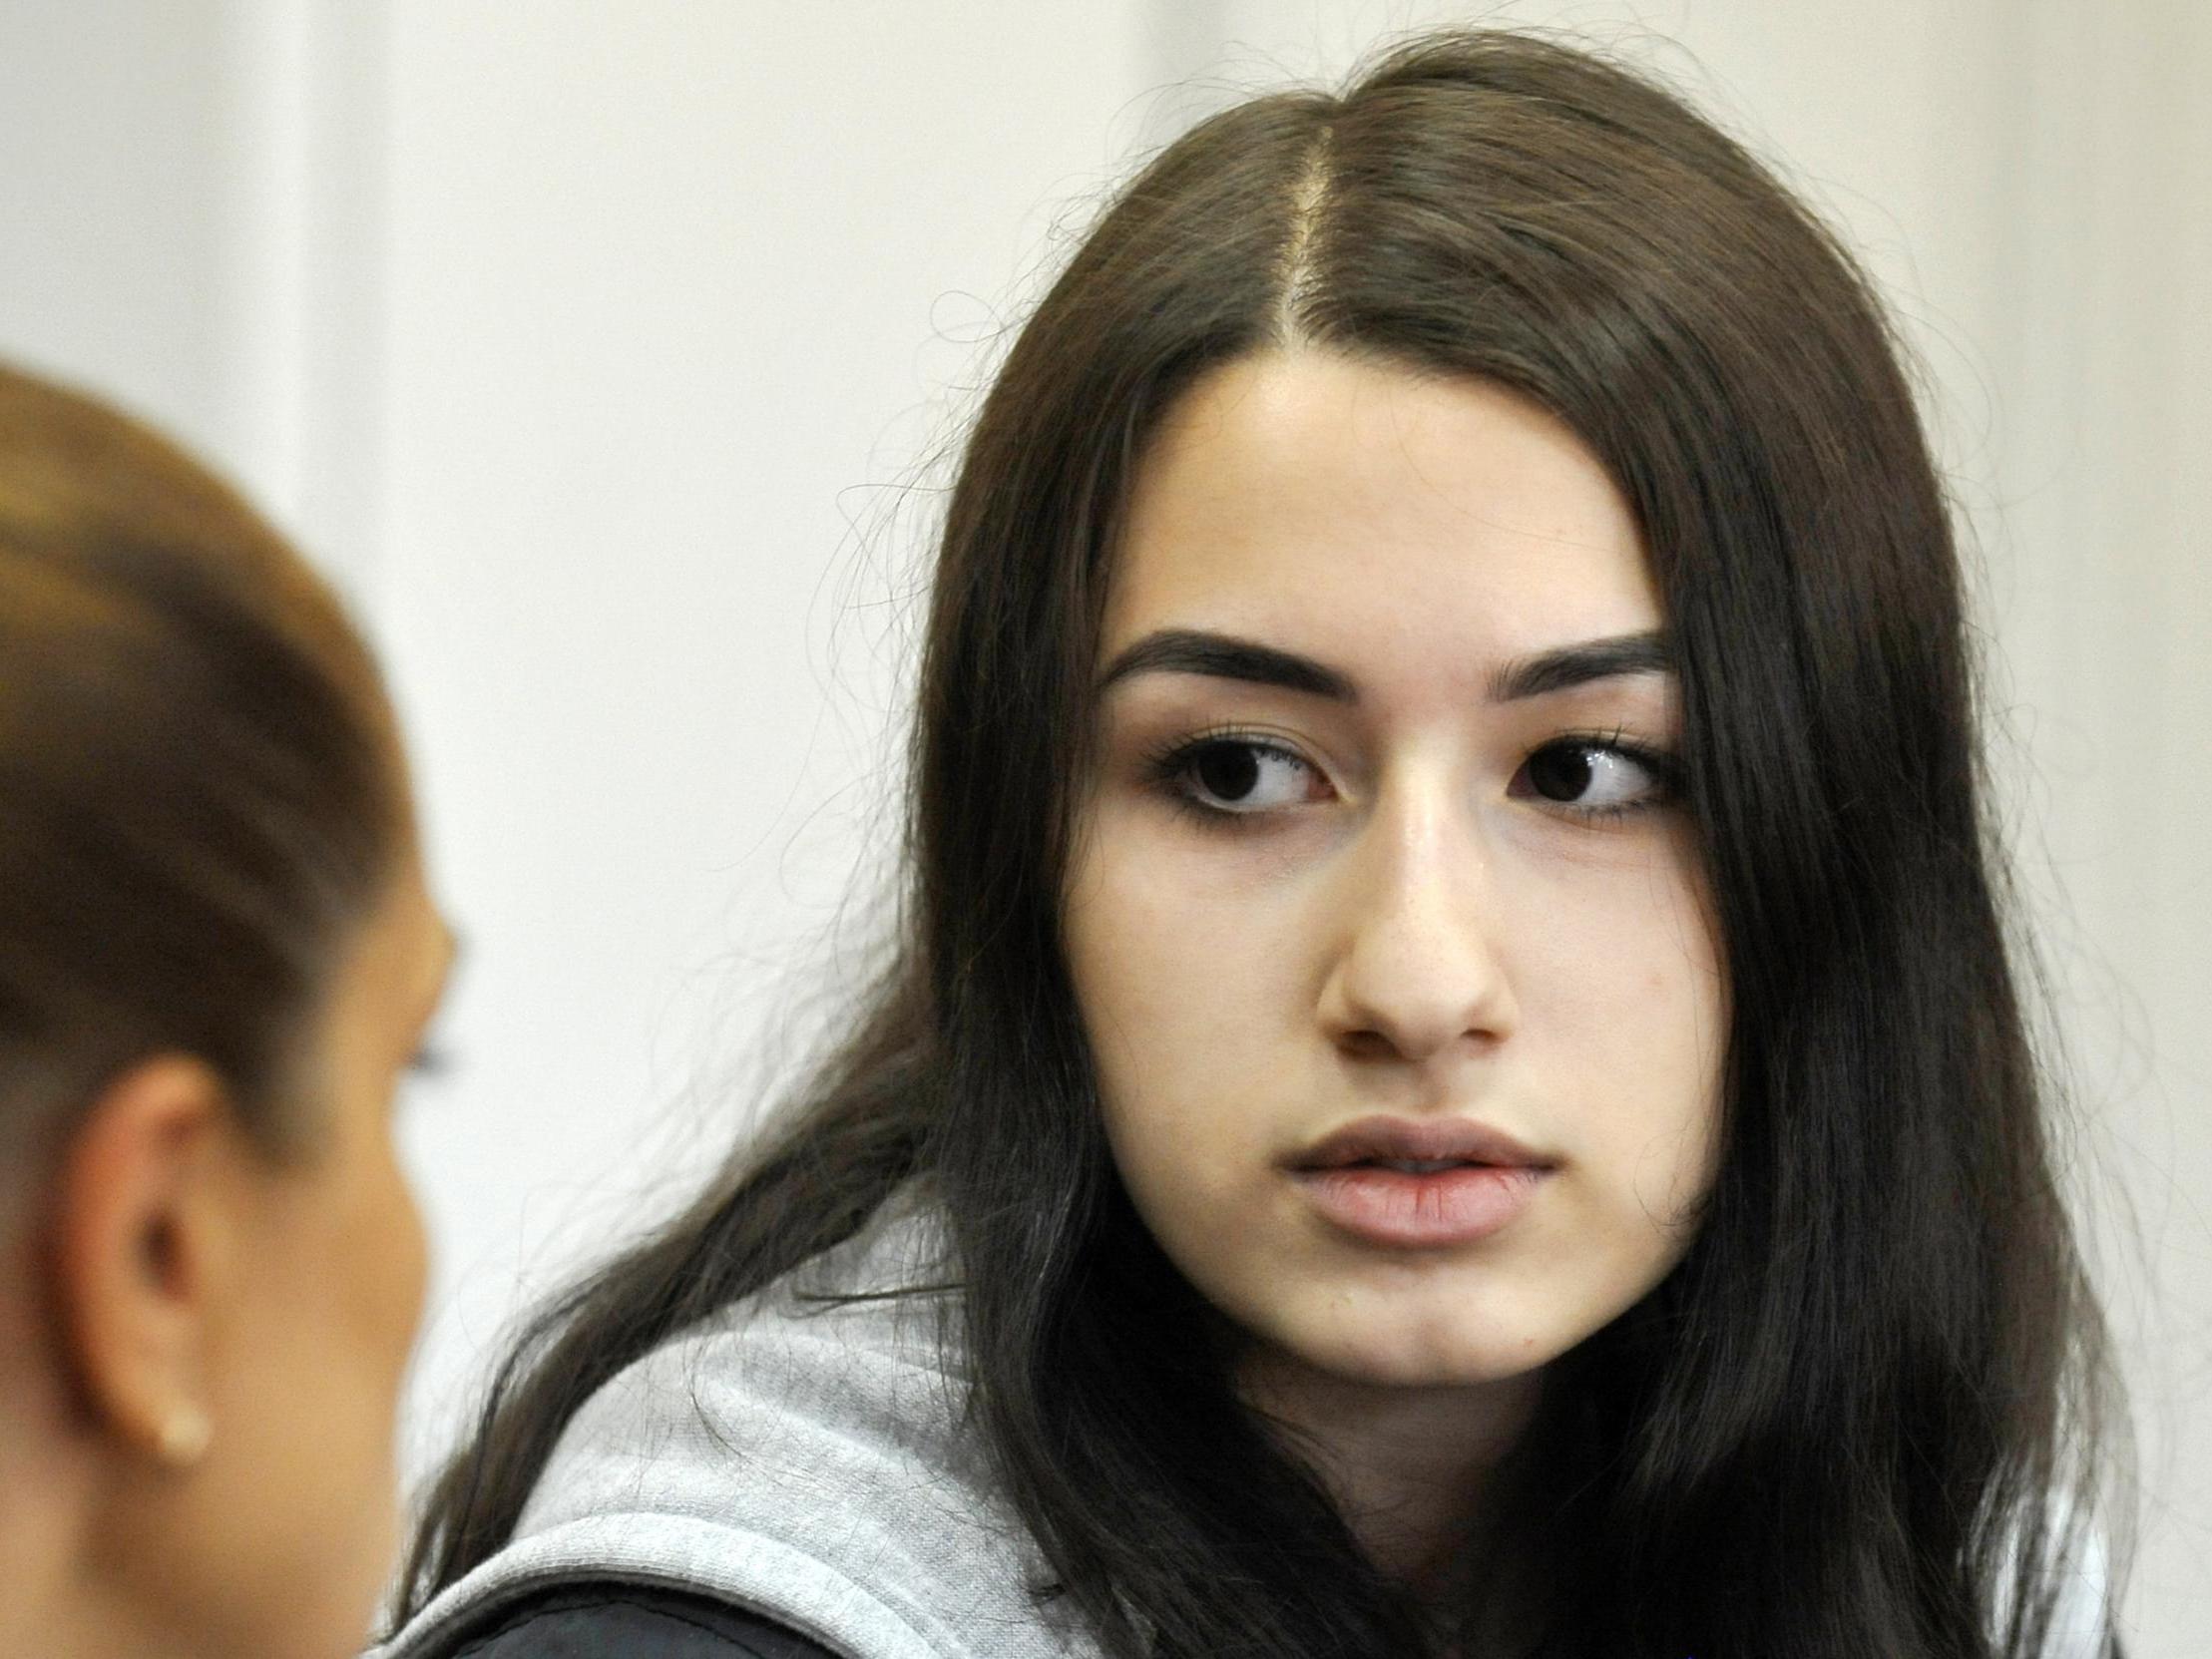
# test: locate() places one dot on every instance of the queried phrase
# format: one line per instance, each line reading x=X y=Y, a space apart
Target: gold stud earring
x=184 y=1437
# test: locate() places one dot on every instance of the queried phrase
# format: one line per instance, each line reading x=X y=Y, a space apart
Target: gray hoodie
x=802 y=1458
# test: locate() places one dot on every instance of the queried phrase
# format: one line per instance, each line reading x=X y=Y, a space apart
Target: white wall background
x=597 y=348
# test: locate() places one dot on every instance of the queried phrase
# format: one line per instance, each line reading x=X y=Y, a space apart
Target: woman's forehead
x=1354 y=511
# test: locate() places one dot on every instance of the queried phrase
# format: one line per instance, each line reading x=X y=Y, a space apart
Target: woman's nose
x=1415 y=968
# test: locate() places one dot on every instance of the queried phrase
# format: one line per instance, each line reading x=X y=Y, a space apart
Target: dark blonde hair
x=1838 y=1430
x=199 y=789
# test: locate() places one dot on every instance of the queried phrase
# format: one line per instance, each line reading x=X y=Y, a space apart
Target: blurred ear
x=142 y=1235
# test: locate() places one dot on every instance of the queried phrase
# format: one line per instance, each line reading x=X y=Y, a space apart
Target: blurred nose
x=1416 y=973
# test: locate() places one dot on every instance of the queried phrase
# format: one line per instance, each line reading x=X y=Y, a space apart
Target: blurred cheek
x=397 y=1260
x=383 y=1255
x=341 y=1309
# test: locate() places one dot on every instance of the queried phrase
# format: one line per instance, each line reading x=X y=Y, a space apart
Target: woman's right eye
x=1240 y=775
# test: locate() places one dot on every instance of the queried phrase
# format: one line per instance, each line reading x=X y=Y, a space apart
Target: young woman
x=217 y=954
x=1451 y=1082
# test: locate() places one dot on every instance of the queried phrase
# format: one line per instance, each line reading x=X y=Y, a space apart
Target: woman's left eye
x=1595 y=777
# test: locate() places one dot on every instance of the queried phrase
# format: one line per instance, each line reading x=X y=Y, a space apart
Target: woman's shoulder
x=612 y=1620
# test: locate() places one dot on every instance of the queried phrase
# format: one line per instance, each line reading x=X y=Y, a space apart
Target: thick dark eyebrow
x=1190 y=651
x=1573 y=666
x=1222 y=656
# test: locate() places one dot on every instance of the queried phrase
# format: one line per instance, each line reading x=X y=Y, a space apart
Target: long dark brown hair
x=1847 y=1424
x=200 y=796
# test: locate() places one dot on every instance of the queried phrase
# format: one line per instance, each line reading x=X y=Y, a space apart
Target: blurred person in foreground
x=218 y=956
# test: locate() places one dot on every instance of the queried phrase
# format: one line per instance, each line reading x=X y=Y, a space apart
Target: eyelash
x=1168 y=770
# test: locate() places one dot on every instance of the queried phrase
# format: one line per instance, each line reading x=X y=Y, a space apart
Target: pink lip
x=1495 y=1179
x=1419 y=1140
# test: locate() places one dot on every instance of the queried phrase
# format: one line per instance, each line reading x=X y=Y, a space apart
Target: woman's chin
x=1415 y=1356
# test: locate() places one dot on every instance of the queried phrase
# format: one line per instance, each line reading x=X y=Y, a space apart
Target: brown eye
x=1226 y=772
x=1560 y=772
x=1591 y=777
x=1236 y=775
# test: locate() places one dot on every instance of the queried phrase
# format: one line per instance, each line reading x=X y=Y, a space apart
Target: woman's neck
x=1416 y=1471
